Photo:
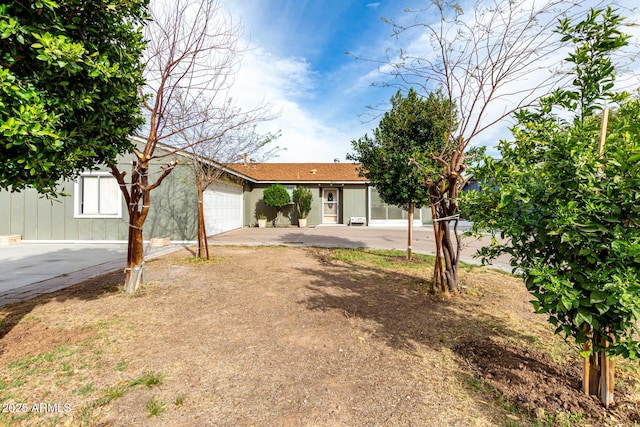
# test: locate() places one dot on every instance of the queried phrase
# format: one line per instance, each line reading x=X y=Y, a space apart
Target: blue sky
x=297 y=63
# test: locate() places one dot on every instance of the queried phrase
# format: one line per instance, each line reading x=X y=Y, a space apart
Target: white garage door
x=222 y=204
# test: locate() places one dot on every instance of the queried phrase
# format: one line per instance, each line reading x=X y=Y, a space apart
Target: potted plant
x=302 y=197
x=262 y=220
x=276 y=196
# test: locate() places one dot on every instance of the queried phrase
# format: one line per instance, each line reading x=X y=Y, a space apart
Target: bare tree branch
x=489 y=64
x=193 y=52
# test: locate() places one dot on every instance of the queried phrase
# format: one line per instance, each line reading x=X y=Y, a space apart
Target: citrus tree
x=413 y=128
x=69 y=77
x=564 y=200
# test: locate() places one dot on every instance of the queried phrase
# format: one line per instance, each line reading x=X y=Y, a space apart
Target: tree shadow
x=305 y=237
x=397 y=311
x=402 y=312
x=77 y=284
x=12 y=314
x=261 y=209
x=174 y=213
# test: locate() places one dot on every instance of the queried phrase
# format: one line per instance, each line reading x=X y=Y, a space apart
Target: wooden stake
x=603 y=130
x=410 y=231
x=437 y=270
x=606 y=385
x=586 y=367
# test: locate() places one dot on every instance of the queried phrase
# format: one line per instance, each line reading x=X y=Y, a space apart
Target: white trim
x=319 y=183
x=337 y=202
x=77 y=197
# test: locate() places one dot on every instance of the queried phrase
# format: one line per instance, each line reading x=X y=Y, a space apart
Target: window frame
x=290 y=189
x=78 y=191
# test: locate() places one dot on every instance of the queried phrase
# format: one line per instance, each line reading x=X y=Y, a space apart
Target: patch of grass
x=560 y=419
x=85 y=389
x=148 y=378
x=382 y=258
x=121 y=365
x=114 y=392
x=14 y=419
x=512 y=415
x=482 y=386
x=118 y=390
x=85 y=416
x=155 y=407
x=195 y=260
x=55 y=421
x=39 y=363
x=29 y=318
x=179 y=401
x=67 y=369
x=103 y=324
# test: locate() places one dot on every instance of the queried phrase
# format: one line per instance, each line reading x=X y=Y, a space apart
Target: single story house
x=340 y=194
x=94 y=208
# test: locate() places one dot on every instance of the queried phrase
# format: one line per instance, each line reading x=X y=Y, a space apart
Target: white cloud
x=287 y=83
x=319 y=113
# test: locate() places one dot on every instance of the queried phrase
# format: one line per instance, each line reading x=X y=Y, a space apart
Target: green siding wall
x=254 y=204
x=353 y=202
x=173 y=213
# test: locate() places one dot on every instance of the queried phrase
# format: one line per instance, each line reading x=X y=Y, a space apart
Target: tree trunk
x=410 y=231
x=203 y=245
x=451 y=254
x=139 y=198
x=135 y=271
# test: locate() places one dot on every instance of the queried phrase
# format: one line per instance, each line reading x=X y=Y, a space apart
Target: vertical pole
x=410 y=231
x=438 y=274
x=607 y=366
x=603 y=130
x=606 y=375
x=586 y=365
x=200 y=221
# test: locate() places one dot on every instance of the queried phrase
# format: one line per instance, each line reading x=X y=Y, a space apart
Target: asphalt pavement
x=30 y=269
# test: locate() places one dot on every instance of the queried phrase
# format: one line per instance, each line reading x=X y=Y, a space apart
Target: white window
x=97 y=195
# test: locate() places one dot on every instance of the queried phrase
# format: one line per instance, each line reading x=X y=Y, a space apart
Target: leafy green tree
x=564 y=199
x=276 y=196
x=412 y=129
x=69 y=77
x=302 y=197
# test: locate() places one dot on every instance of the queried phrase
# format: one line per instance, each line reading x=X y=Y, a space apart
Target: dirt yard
x=277 y=336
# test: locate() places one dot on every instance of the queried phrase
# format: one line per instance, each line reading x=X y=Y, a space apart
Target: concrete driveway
x=31 y=269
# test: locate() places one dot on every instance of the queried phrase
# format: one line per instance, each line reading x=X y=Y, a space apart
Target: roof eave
x=285 y=181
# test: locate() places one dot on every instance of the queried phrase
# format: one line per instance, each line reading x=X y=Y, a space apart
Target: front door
x=330 y=206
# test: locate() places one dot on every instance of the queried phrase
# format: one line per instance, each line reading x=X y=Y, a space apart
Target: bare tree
x=209 y=160
x=489 y=64
x=192 y=55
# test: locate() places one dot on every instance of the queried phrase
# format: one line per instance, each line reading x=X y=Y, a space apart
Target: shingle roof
x=293 y=172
